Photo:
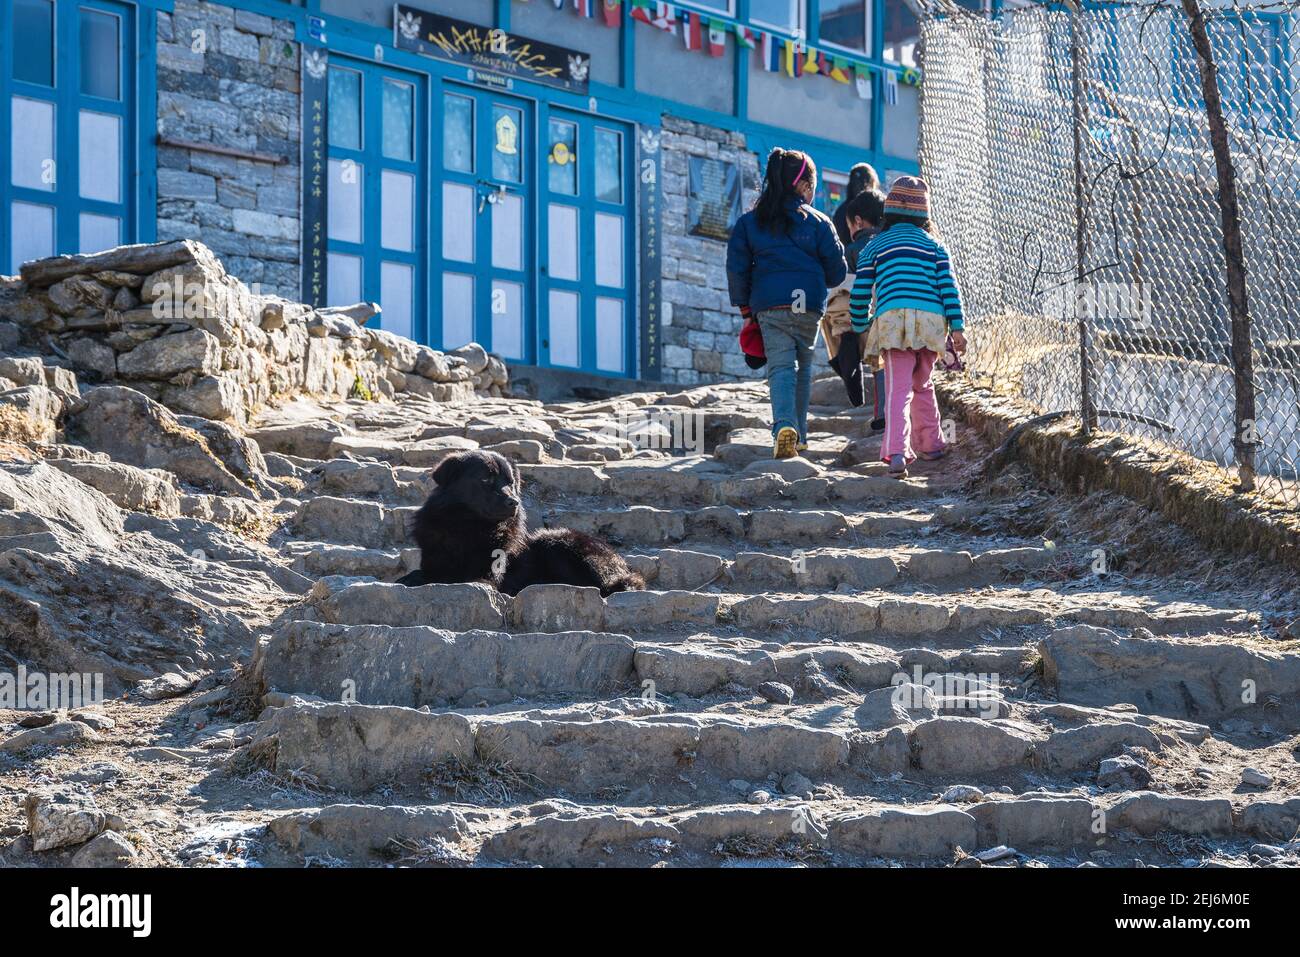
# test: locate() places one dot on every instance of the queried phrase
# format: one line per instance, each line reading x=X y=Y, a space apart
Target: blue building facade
x=549 y=178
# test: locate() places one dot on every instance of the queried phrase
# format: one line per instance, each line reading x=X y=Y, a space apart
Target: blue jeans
x=788 y=340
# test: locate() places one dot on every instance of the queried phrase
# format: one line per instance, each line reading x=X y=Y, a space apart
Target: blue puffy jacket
x=768 y=270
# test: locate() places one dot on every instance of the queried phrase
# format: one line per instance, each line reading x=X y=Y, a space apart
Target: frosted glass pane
x=458 y=213
x=562 y=160
x=457 y=310
x=345 y=108
x=562 y=241
x=508 y=232
x=507 y=144
x=609 y=334
x=398 y=191
x=100 y=152
x=609 y=250
x=609 y=166
x=33 y=233
x=395 y=298
x=31 y=144
x=34 y=41
x=345 y=200
x=399 y=119
x=508 y=319
x=344 y=279
x=100 y=56
x=564 y=328
x=458 y=133
x=98 y=233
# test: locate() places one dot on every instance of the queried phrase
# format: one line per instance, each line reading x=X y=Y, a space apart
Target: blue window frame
x=587 y=296
x=68 y=152
x=1253 y=68
x=376 y=228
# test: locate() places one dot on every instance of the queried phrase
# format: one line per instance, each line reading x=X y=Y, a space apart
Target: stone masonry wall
x=230 y=78
x=700 y=324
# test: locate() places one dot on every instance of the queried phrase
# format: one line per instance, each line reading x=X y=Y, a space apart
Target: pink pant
x=912 y=416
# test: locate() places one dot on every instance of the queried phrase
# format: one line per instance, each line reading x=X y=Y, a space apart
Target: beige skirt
x=907 y=329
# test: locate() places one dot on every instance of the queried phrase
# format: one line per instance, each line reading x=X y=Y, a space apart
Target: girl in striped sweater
x=906 y=300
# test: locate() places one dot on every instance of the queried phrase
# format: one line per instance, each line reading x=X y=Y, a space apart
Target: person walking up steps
x=782 y=258
x=907 y=301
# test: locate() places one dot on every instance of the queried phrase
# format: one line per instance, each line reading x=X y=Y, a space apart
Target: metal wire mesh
x=1074 y=180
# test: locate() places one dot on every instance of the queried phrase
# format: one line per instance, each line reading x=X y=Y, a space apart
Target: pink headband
x=799 y=175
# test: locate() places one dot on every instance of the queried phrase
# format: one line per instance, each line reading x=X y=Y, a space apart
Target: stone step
x=638 y=751
x=557 y=608
x=1066 y=827
x=707 y=483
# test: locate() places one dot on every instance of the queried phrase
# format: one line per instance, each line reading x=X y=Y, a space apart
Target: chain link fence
x=1084 y=170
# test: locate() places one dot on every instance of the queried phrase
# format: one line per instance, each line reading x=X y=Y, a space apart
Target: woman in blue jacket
x=782 y=258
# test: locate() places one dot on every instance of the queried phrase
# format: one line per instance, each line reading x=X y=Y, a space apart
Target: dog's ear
x=516 y=480
x=449 y=469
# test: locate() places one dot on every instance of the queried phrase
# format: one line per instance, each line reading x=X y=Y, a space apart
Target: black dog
x=472 y=528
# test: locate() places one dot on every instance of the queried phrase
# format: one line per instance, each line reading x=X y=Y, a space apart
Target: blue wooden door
x=376 y=216
x=586 y=298
x=484 y=149
x=67 y=128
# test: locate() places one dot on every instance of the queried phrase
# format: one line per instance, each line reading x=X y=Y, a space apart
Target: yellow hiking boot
x=787 y=440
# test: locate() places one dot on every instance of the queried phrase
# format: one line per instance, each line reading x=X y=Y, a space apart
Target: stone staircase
x=828 y=666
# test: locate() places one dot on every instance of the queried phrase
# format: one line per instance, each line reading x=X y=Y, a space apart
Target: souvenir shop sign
x=489 y=50
x=714 y=202
x=315 y=181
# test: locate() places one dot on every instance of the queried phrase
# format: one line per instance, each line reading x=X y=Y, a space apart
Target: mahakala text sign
x=489 y=50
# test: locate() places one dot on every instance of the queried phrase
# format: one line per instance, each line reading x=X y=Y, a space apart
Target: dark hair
x=783 y=174
x=894 y=219
x=862 y=177
x=868 y=204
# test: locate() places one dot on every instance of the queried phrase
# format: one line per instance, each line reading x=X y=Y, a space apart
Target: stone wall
x=229 y=78
x=170 y=322
x=700 y=324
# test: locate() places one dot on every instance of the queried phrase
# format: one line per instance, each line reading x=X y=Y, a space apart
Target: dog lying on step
x=472 y=529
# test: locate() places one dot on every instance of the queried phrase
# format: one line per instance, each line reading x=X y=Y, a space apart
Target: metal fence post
x=1087 y=409
x=1243 y=371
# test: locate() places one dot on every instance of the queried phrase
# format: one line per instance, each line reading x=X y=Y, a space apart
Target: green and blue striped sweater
x=904 y=268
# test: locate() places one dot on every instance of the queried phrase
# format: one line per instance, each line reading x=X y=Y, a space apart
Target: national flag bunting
x=659 y=15
x=693 y=32
x=585 y=8
x=891 y=87
x=839 y=69
x=613 y=10
x=717 y=38
x=770 y=53
x=746 y=37
x=792 y=58
x=862 y=80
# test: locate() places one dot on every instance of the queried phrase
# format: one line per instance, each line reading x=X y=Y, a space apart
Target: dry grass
x=744 y=847
x=486 y=780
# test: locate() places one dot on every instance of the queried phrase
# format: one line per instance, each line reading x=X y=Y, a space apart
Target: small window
x=100 y=55
x=609 y=166
x=785 y=15
x=399 y=120
x=458 y=133
x=843 y=23
x=345 y=109
x=562 y=160
x=34 y=41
